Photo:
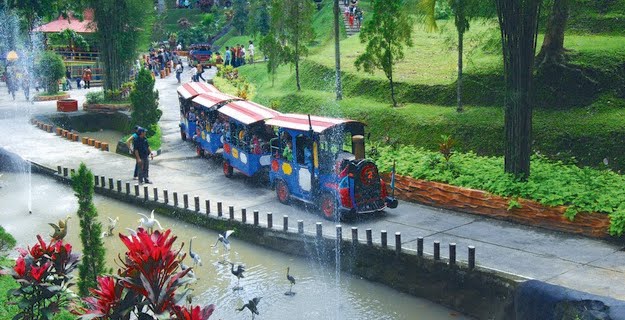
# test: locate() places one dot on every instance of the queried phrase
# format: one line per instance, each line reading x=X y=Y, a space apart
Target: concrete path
x=589 y=265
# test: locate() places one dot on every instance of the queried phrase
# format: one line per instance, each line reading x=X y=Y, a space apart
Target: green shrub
x=52 y=69
x=551 y=183
x=7 y=242
x=95 y=97
x=144 y=100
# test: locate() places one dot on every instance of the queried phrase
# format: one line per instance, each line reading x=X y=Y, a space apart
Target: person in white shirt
x=194 y=74
x=179 y=47
x=250 y=51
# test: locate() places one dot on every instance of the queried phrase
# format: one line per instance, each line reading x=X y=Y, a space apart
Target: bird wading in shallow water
x=110 y=227
x=223 y=238
x=149 y=222
x=238 y=272
x=60 y=230
x=194 y=255
x=252 y=305
x=291 y=280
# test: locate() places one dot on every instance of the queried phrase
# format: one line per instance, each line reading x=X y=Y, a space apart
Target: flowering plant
x=147 y=283
x=43 y=273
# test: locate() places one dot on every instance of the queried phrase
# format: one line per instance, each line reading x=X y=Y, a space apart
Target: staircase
x=349 y=30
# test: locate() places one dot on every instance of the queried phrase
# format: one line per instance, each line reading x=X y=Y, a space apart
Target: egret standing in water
x=237 y=273
x=110 y=227
x=291 y=280
x=149 y=222
x=223 y=238
x=252 y=305
x=194 y=255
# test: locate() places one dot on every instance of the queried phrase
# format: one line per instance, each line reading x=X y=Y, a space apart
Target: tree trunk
x=518 y=20
x=337 y=51
x=552 y=49
x=299 y=86
x=460 y=108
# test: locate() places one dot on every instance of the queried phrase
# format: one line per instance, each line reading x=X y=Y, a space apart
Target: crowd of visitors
x=158 y=60
x=353 y=13
x=236 y=56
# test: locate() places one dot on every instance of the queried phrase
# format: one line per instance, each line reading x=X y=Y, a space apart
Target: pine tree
x=92 y=264
x=144 y=100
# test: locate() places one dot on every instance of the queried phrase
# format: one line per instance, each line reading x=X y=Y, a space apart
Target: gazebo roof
x=87 y=25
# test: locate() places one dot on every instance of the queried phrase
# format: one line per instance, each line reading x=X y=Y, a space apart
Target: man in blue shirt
x=142 y=152
x=228 y=56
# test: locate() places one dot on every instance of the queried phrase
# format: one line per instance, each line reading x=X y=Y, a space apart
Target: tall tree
x=259 y=20
x=552 y=50
x=518 y=20
x=92 y=264
x=121 y=31
x=240 y=16
x=295 y=30
x=337 y=50
x=386 y=34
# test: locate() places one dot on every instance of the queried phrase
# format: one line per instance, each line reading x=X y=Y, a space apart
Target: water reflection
x=318 y=295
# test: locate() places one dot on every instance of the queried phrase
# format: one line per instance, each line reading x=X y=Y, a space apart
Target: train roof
x=247 y=112
x=193 y=89
x=319 y=124
x=211 y=99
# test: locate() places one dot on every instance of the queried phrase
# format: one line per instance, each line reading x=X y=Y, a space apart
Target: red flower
x=20 y=267
x=196 y=313
x=106 y=297
x=38 y=272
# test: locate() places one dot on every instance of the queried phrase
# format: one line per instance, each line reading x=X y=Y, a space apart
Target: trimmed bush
x=52 y=69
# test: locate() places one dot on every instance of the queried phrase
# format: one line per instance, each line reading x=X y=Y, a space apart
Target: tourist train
x=311 y=159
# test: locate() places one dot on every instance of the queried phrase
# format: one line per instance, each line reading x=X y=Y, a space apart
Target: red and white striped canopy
x=300 y=122
x=247 y=112
x=211 y=99
x=193 y=89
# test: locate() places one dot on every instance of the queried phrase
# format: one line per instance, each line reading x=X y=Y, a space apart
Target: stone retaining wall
x=483 y=203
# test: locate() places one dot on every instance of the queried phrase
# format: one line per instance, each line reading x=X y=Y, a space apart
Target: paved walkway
x=585 y=264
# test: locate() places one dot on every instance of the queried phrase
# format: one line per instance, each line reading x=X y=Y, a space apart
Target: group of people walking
x=353 y=13
x=17 y=77
x=82 y=81
x=236 y=56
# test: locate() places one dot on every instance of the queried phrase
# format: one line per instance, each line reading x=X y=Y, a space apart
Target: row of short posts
x=95 y=143
x=101 y=181
x=42 y=125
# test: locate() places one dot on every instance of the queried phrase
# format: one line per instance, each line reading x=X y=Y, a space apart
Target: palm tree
x=461 y=19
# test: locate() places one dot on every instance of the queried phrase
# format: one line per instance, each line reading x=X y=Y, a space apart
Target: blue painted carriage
x=209 y=126
x=186 y=93
x=246 y=137
x=322 y=161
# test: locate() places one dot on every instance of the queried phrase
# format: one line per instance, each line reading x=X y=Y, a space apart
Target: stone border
x=69 y=134
x=480 y=202
x=105 y=108
x=40 y=98
x=473 y=290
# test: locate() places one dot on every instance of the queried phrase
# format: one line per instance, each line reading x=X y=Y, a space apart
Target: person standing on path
x=200 y=70
x=130 y=144
x=178 y=71
x=68 y=78
x=250 y=52
x=86 y=77
x=194 y=74
x=228 y=56
x=142 y=152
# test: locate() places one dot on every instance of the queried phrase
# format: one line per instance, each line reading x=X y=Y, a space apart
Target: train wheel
x=200 y=151
x=183 y=136
x=282 y=191
x=329 y=207
x=227 y=169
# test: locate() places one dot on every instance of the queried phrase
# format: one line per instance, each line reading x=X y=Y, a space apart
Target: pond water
x=319 y=294
x=109 y=136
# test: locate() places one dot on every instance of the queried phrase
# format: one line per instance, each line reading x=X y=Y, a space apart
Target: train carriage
x=209 y=126
x=246 y=137
x=321 y=160
x=186 y=93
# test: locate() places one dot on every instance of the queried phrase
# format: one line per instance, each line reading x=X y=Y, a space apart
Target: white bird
x=223 y=238
x=132 y=232
x=111 y=226
x=190 y=274
x=195 y=256
x=148 y=222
